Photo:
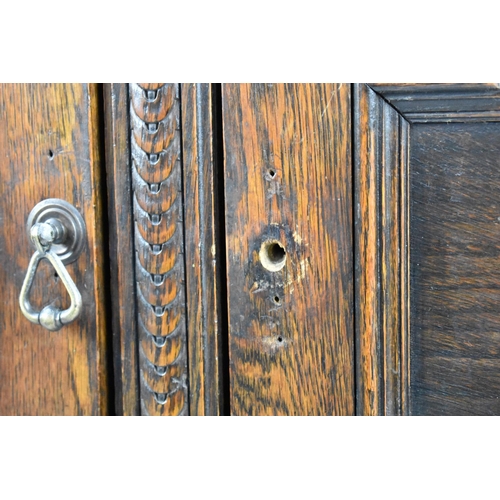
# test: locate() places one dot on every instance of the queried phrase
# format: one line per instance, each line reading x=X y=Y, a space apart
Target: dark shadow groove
x=220 y=236
x=103 y=194
x=181 y=213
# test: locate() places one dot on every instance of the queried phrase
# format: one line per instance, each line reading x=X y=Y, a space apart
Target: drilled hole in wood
x=280 y=339
x=51 y=154
x=276 y=299
x=272 y=173
x=272 y=255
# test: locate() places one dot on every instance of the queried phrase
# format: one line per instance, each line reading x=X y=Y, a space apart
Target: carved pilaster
x=156 y=179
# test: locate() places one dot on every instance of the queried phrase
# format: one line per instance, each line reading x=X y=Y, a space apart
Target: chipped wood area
x=288 y=187
x=156 y=180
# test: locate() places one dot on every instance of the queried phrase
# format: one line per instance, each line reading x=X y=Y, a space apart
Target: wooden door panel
x=49 y=149
x=439 y=146
x=289 y=248
x=455 y=233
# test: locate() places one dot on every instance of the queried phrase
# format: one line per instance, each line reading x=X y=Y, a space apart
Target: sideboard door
x=49 y=148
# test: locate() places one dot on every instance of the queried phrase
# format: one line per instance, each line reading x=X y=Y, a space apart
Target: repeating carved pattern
x=156 y=180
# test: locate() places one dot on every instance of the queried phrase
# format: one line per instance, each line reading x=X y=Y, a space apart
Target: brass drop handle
x=56 y=230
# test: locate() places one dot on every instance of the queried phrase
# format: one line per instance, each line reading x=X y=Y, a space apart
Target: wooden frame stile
x=384 y=115
x=288 y=196
x=203 y=254
x=162 y=214
x=121 y=258
x=381 y=158
x=145 y=198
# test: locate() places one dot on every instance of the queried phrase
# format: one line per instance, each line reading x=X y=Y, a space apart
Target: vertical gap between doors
x=103 y=194
x=220 y=228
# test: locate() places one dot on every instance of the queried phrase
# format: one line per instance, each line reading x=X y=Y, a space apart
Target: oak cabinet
x=256 y=249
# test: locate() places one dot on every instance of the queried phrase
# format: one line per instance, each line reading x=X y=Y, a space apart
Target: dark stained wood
x=455 y=251
x=288 y=178
x=446 y=159
x=49 y=139
x=121 y=249
x=423 y=102
x=202 y=250
x=381 y=264
x=159 y=240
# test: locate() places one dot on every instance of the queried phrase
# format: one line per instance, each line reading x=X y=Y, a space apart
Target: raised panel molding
x=381 y=254
x=383 y=117
x=442 y=102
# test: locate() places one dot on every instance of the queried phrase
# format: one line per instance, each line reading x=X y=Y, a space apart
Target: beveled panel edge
x=442 y=102
x=381 y=254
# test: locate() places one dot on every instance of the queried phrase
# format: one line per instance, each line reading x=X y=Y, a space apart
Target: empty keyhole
x=272 y=255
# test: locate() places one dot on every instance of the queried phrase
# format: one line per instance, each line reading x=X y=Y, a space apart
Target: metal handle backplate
x=57 y=231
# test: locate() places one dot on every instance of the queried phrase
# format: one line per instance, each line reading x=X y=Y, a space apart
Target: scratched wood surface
x=49 y=149
x=289 y=198
x=203 y=249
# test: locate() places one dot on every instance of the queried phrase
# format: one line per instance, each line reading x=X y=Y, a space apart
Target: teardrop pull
x=48 y=235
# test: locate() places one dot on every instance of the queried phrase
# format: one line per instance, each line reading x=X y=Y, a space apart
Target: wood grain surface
x=381 y=254
x=288 y=181
x=439 y=144
x=121 y=248
x=455 y=278
x=443 y=102
x=203 y=249
x=50 y=149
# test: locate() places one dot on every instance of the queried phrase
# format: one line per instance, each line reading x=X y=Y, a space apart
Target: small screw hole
x=276 y=299
x=280 y=339
x=51 y=154
x=272 y=173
